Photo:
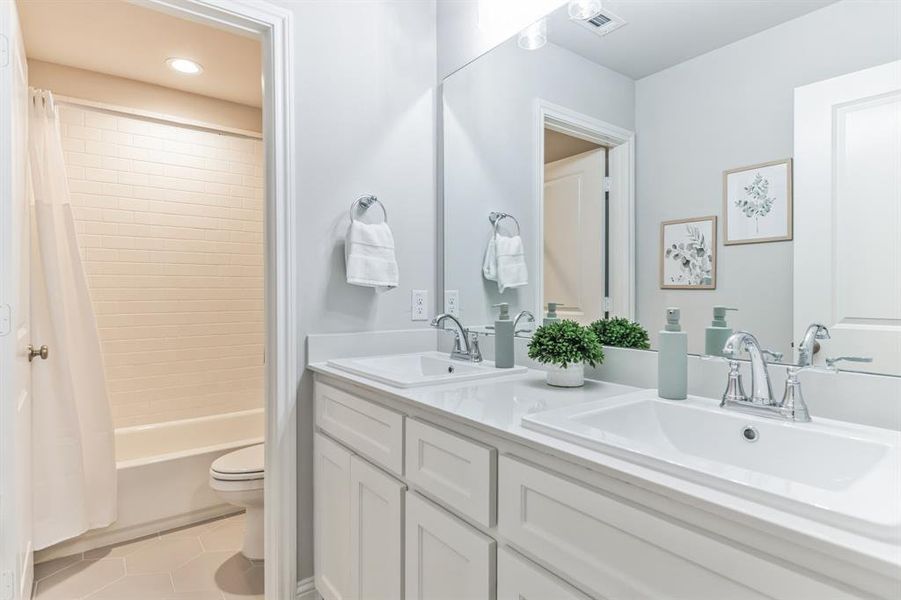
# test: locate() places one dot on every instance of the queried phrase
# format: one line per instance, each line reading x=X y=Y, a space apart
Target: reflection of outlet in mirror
x=418 y=308
x=452 y=302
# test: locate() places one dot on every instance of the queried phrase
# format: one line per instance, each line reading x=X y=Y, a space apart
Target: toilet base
x=253 y=546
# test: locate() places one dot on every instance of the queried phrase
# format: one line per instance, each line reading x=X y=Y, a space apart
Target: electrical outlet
x=452 y=302
x=419 y=305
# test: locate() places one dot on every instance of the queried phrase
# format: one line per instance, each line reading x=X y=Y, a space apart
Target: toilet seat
x=245 y=464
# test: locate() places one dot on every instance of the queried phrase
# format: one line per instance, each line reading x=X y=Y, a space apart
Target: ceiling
x=558 y=146
x=117 y=38
x=661 y=33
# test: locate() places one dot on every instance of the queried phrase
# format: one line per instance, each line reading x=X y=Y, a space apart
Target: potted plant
x=565 y=346
x=621 y=333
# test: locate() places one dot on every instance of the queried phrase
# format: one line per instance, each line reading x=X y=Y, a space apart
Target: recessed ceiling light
x=183 y=65
x=583 y=10
x=534 y=36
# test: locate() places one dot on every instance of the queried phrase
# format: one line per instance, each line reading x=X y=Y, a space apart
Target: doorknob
x=33 y=353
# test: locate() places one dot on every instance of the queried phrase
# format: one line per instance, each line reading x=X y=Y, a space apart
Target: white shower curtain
x=74 y=474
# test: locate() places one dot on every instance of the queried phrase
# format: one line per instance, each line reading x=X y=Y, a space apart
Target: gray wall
x=490 y=156
x=365 y=122
x=727 y=108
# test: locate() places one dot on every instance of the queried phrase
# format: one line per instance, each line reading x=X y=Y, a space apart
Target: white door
x=446 y=559
x=376 y=527
x=15 y=371
x=518 y=578
x=331 y=518
x=847 y=204
x=573 y=263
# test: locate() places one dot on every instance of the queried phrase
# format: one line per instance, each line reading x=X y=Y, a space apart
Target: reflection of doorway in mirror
x=574 y=226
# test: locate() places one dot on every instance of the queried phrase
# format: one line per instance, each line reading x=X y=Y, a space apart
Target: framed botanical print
x=688 y=254
x=757 y=203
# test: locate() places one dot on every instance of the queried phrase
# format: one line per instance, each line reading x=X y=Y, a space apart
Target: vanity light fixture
x=584 y=10
x=184 y=65
x=534 y=36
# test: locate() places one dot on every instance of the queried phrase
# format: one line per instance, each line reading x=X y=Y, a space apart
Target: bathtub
x=163 y=472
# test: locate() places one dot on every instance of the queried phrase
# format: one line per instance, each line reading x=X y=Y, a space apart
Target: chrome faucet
x=529 y=317
x=808 y=346
x=761 y=388
x=466 y=344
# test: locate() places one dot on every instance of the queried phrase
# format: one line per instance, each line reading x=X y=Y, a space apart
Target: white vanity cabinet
x=518 y=578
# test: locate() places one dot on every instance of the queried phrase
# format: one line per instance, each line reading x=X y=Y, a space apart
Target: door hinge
x=6 y=585
x=4 y=51
x=607 y=184
x=5 y=319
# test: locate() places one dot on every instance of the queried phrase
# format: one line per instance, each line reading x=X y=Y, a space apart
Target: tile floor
x=198 y=562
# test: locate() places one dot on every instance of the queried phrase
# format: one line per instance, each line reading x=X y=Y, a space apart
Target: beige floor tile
x=47 y=568
x=247 y=584
x=121 y=549
x=207 y=570
x=79 y=580
x=136 y=587
x=229 y=536
x=164 y=556
x=208 y=595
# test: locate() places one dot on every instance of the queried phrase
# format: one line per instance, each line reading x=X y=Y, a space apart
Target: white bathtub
x=163 y=472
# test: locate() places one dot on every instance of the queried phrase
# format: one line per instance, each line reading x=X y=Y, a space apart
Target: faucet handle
x=735 y=391
x=475 y=354
x=831 y=362
x=772 y=354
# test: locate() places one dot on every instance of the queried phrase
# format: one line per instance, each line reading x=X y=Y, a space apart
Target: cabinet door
x=376 y=527
x=331 y=518
x=446 y=559
x=518 y=578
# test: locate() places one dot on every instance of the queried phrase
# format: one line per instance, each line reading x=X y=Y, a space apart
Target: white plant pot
x=571 y=376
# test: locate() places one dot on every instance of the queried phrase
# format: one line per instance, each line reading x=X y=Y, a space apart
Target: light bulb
x=584 y=10
x=183 y=65
x=534 y=36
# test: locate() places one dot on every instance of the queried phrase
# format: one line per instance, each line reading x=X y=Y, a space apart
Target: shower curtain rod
x=158 y=117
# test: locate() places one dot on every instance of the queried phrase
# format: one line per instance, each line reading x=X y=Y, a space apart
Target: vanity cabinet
x=518 y=578
x=331 y=522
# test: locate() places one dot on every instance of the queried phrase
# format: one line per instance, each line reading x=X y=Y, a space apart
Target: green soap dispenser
x=503 y=338
x=672 y=359
x=719 y=331
x=551 y=313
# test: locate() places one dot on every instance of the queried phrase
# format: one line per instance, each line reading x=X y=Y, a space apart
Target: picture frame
x=684 y=265
x=757 y=203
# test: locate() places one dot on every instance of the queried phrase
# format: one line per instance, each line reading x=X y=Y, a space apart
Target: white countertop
x=497 y=406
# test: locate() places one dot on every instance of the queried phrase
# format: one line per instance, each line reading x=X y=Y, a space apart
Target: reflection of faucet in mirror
x=466 y=346
x=530 y=318
x=809 y=345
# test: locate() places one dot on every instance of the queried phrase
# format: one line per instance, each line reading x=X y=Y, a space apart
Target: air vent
x=603 y=23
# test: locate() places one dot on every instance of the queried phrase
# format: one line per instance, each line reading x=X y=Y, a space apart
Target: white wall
x=728 y=108
x=490 y=158
x=365 y=123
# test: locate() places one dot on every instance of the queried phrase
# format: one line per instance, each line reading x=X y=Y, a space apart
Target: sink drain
x=750 y=434
x=450 y=369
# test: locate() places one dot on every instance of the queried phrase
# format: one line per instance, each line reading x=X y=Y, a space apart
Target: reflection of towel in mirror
x=369 y=255
x=505 y=262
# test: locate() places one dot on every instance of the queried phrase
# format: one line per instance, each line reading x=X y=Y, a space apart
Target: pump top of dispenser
x=504 y=313
x=672 y=319
x=719 y=315
x=552 y=310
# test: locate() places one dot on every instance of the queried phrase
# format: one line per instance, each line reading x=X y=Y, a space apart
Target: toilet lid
x=246 y=463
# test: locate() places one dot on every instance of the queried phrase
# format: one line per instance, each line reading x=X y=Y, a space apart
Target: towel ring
x=366 y=201
x=497 y=217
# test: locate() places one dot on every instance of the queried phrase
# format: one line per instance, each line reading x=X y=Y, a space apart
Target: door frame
x=273 y=27
x=621 y=149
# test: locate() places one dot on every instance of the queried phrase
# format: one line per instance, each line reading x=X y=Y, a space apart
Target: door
x=446 y=559
x=573 y=263
x=848 y=215
x=331 y=518
x=376 y=527
x=15 y=371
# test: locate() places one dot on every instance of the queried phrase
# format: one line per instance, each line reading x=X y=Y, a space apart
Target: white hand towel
x=505 y=262
x=369 y=256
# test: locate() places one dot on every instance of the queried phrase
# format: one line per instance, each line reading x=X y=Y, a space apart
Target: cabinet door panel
x=331 y=523
x=446 y=559
x=518 y=578
x=376 y=513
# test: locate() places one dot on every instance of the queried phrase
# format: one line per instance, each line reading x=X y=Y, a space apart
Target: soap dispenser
x=503 y=337
x=719 y=331
x=672 y=359
x=551 y=313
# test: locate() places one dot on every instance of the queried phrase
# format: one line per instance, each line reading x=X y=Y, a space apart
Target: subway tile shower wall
x=170 y=227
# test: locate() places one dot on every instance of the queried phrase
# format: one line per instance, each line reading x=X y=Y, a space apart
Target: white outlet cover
x=419 y=310
x=452 y=302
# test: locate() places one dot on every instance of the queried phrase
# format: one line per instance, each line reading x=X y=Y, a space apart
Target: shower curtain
x=74 y=469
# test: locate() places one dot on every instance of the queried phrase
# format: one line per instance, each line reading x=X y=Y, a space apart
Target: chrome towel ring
x=497 y=217
x=365 y=202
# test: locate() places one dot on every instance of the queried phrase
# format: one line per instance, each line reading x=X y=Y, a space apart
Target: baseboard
x=306 y=590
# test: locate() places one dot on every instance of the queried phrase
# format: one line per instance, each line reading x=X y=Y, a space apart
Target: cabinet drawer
x=518 y=578
x=618 y=550
x=457 y=471
x=372 y=430
x=446 y=559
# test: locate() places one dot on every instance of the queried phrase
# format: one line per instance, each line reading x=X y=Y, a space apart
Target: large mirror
x=696 y=154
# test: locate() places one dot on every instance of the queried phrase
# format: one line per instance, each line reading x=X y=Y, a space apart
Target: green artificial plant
x=621 y=333
x=565 y=342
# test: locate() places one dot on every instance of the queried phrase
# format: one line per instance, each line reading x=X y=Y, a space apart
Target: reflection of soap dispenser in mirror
x=718 y=332
x=503 y=337
x=551 y=313
x=672 y=359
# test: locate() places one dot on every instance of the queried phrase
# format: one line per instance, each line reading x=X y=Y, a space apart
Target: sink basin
x=837 y=473
x=423 y=368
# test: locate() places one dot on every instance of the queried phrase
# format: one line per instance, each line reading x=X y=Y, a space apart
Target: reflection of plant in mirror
x=565 y=342
x=621 y=333
x=694 y=256
x=756 y=203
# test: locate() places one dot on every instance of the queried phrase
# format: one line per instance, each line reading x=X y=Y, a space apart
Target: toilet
x=237 y=478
